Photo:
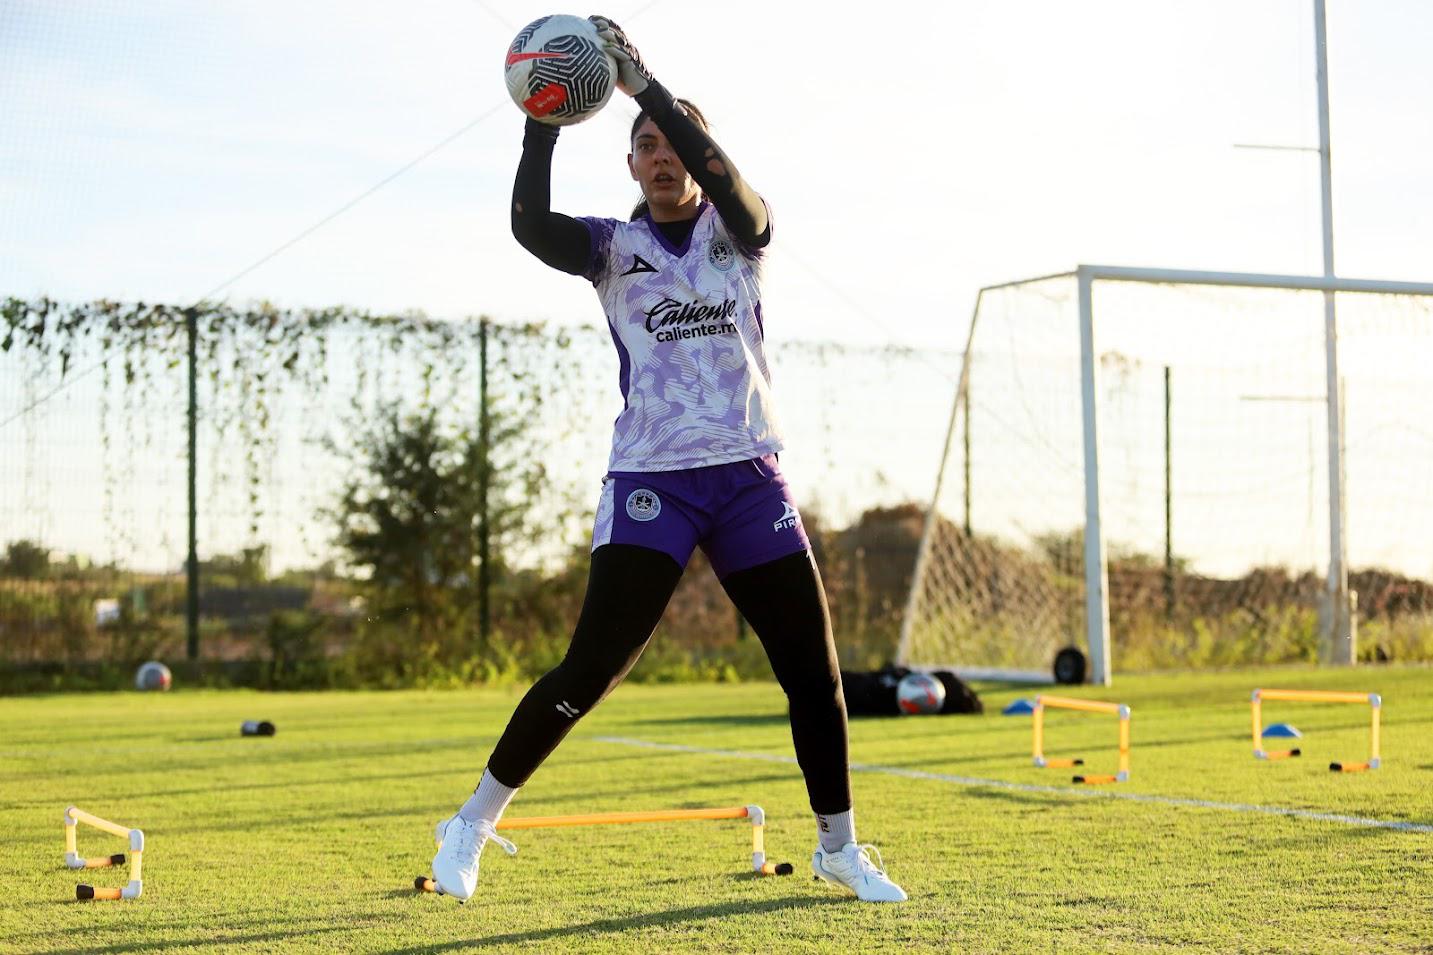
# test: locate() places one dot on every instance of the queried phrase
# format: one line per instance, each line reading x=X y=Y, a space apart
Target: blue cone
x=1284 y=730
x=1020 y=708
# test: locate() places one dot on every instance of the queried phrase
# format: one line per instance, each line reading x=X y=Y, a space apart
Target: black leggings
x=627 y=590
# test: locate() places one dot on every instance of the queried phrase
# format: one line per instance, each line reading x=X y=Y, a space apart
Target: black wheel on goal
x=1070 y=666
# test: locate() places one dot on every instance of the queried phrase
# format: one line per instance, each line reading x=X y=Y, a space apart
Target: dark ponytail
x=686 y=106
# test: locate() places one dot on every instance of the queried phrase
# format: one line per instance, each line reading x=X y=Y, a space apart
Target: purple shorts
x=741 y=514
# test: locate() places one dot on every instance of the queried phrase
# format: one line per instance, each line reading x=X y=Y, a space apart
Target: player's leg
x=785 y=604
x=783 y=600
x=641 y=541
x=628 y=587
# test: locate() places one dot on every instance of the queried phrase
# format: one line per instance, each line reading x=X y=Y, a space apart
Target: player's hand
x=632 y=74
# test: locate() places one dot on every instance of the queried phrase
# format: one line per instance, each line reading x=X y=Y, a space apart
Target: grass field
x=309 y=840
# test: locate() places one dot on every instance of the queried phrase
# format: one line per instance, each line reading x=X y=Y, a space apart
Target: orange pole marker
x=1350 y=767
x=1086 y=706
x=1374 y=701
x=618 y=818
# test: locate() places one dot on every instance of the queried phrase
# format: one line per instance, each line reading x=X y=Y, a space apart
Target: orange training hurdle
x=74 y=860
x=1087 y=706
x=755 y=813
x=1374 y=701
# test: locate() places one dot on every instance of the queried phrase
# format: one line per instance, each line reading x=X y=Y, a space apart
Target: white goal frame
x=1341 y=636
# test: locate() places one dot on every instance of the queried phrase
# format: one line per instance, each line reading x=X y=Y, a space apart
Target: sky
x=362 y=154
x=157 y=150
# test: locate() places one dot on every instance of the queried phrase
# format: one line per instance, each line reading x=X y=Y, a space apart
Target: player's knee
x=582 y=686
x=815 y=686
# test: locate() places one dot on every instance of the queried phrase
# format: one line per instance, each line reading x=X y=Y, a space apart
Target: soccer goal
x=1166 y=467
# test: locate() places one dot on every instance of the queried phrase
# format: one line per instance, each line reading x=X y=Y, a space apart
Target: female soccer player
x=693 y=464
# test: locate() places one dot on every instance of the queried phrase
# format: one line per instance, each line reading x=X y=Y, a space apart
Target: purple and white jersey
x=687 y=326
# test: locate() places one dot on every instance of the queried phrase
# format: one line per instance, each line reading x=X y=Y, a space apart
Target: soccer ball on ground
x=557 y=71
x=920 y=693
x=152 y=676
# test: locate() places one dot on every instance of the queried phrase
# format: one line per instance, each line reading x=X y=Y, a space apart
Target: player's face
x=671 y=193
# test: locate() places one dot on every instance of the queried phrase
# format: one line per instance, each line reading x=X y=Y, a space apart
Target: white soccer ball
x=152 y=676
x=920 y=693
x=557 y=71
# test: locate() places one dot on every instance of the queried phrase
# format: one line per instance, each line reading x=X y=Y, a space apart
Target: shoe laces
x=486 y=830
x=860 y=857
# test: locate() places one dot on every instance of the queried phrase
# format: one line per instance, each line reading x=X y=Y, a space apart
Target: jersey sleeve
x=601 y=231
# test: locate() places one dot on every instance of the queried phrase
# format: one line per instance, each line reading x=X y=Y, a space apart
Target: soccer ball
x=920 y=693
x=557 y=71
x=152 y=676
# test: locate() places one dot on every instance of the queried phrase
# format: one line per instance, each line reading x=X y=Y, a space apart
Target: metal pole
x=484 y=578
x=1097 y=604
x=1338 y=621
x=191 y=570
x=965 y=439
x=1168 y=505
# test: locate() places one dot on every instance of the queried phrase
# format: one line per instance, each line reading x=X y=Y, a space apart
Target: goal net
x=1149 y=481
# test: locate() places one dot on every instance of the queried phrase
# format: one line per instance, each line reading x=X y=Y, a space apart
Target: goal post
x=1059 y=396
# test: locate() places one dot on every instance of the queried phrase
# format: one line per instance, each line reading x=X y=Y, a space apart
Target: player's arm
x=558 y=240
x=739 y=205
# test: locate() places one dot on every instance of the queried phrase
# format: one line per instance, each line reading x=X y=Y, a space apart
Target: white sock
x=836 y=830
x=488 y=801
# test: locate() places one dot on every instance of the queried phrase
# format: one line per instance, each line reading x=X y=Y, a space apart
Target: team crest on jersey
x=721 y=256
x=643 y=505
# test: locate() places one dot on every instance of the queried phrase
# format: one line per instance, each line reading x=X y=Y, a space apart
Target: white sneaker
x=853 y=868
x=455 y=867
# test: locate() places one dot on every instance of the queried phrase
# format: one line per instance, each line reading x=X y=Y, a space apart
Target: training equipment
x=1282 y=731
x=1155 y=454
x=74 y=860
x=1021 y=707
x=853 y=868
x=152 y=676
x=1374 y=701
x=558 y=71
x=920 y=693
x=1085 y=706
x=257 y=728
x=759 y=864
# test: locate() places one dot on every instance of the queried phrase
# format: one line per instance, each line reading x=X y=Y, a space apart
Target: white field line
x=1086 y=793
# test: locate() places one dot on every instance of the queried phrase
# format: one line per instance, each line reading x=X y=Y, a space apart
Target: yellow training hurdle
x=755 y=813
x=1086 y=706
x=1374 y=701
x=74 y=860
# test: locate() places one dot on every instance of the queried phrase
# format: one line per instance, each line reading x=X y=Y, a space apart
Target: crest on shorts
x=643 y=505
x=721 y=255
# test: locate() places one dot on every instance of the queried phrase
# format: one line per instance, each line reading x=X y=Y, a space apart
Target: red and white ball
x=557 y=70
x=920 y=693
x=152 y=676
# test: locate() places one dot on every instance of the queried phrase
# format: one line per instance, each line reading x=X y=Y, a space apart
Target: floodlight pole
x=1338 y=626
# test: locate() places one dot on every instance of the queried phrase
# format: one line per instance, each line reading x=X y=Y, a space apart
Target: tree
x=26 y=559
x=409 y=520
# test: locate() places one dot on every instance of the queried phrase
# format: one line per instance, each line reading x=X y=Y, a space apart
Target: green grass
x=309 y=841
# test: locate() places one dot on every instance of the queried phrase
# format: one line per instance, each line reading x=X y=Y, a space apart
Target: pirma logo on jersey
x=788 y=517
x=643 y=505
